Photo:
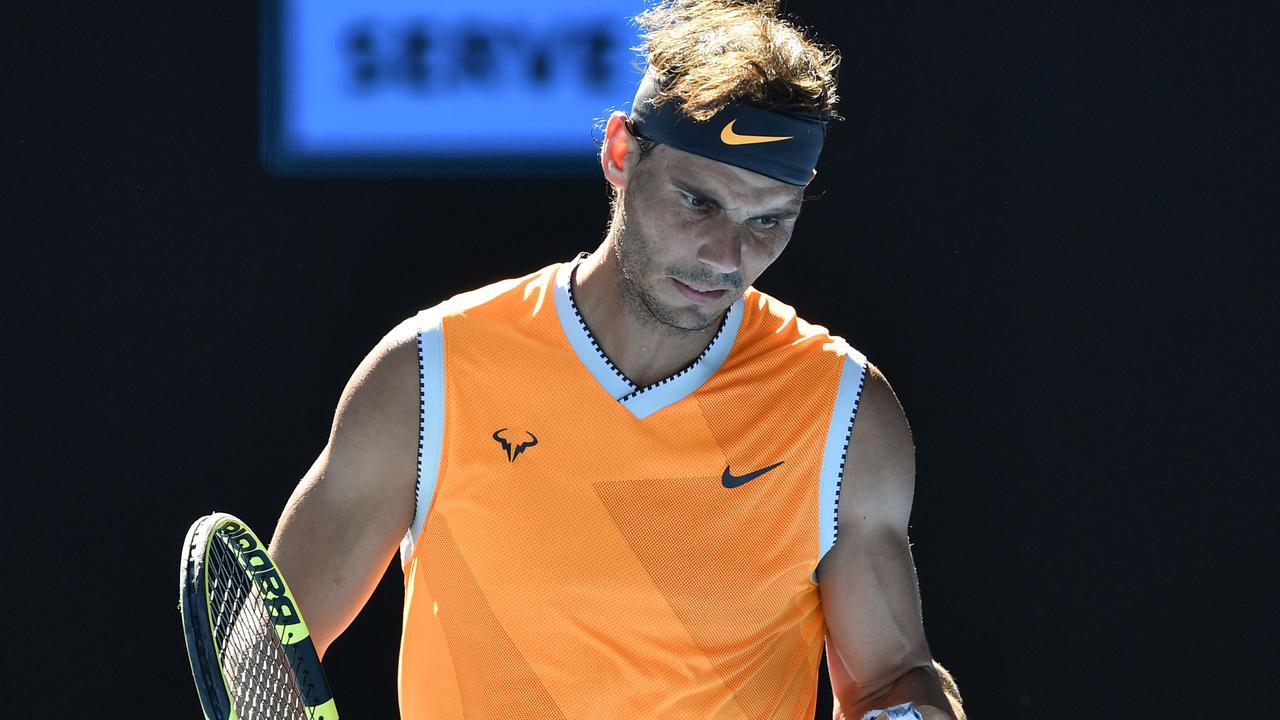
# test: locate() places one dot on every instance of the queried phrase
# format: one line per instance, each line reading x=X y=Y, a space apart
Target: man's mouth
x=701 y=297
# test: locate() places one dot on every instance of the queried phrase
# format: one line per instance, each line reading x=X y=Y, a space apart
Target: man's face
x=694 y=233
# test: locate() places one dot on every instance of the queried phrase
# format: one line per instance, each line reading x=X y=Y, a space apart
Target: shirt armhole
x=430 y=427
x=853 y=375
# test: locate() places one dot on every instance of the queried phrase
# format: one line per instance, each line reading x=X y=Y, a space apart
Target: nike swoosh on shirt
x=729 y=137
x=732 y=481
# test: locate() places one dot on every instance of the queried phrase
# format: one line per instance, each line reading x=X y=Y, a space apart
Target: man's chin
x=686 y=318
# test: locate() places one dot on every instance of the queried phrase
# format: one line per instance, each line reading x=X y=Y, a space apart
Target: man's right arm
x=348 y=514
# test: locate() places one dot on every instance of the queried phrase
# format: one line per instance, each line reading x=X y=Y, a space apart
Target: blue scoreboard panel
x=389 y=87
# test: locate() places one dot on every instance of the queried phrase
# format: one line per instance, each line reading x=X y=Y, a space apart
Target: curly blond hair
x=709 y=53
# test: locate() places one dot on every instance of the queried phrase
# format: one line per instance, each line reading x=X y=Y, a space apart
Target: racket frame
x=202 y=651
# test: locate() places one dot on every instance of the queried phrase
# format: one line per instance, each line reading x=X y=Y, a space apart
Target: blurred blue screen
x=394 y=87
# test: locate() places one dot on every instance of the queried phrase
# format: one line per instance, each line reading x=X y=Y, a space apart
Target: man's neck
x=643 y=350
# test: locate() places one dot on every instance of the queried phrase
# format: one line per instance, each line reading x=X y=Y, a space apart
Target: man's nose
x=722 y=252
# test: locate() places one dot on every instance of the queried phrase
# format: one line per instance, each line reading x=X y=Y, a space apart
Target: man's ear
x=618 y=151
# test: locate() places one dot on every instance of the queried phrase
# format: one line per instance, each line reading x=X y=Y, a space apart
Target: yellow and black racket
x=251 y=655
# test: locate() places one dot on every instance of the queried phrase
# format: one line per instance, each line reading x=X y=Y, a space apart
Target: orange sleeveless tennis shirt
x=583 y=548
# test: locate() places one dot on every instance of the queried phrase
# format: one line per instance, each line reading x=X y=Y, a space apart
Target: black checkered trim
x=574 y=305
x=844 y=455
x=723 y=322
x=422 y=424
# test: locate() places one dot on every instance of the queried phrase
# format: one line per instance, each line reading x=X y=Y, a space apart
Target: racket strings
x=258 y=672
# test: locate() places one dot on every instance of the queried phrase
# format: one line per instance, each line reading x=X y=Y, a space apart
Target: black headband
x=778 y=145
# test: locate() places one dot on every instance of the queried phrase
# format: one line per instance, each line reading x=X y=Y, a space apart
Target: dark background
x=1052 y=224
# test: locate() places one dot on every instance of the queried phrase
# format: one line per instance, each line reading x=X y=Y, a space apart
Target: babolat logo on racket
x=256 y=560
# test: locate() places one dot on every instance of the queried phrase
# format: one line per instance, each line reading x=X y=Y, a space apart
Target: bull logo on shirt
x=513 y=449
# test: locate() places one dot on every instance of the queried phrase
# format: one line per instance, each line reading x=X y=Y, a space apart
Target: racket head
x=250 y=651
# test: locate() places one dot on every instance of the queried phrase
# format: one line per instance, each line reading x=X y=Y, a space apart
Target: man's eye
x=765 y=223
x=694 y=201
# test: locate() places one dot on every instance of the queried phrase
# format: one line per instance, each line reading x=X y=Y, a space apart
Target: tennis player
x=631 y=485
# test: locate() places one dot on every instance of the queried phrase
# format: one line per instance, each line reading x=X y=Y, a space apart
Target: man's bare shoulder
x=390 y=366
x=880 y=471
x=373 y=442
x=396 y=354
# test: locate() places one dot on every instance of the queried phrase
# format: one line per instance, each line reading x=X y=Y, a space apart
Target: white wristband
x=905 y=711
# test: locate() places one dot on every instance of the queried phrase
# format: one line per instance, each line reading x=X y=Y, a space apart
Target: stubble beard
x=635 y=261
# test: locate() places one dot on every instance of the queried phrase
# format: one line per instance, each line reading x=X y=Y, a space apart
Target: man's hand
x=903 y=712
x=929 y=712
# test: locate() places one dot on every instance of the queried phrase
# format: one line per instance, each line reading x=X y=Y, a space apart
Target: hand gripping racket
x=251 y=655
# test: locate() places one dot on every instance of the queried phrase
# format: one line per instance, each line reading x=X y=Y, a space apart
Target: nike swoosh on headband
x=729 y=137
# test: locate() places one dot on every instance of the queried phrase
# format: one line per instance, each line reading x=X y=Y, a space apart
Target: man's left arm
x=876 y=649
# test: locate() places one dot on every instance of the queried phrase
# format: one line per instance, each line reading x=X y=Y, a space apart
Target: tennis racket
x=251 y=655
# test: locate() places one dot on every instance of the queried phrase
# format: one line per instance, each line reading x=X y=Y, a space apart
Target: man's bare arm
x=876 y=648
x=346 y=517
